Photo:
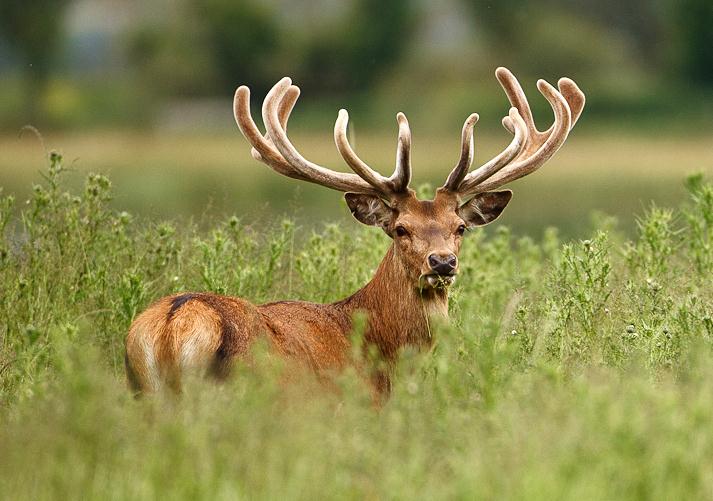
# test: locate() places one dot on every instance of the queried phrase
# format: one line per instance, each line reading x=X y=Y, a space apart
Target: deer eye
x=460 y=230
x=401 y=231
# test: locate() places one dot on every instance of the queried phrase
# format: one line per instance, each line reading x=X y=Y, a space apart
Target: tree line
x=211 y=44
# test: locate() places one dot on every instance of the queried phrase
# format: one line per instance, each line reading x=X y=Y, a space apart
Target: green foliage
x=558 y=37
x=358 y=49
x=34 y=30
x=210 y=46
x=173 y=59
x=207 y=47
x=569 y=370
x=581 y=289
x=242 y=38
x=621 y=40
x=636 y=60
x=656 y=244
x=699 y=218
x=694 y=19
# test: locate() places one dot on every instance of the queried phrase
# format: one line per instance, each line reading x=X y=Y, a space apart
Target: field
x=173 y=176
x=577 y=364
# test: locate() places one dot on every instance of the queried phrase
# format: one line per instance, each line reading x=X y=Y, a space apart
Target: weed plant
x=569 y=370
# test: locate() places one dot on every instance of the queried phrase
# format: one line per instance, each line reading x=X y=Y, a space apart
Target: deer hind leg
x=238 y=323
x=193 y=334
x=142 y=369
x=211 y=332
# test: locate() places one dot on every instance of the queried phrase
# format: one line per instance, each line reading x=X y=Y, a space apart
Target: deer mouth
x=437 y=280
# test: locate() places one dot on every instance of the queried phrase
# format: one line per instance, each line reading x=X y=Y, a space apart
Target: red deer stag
x=207 y=332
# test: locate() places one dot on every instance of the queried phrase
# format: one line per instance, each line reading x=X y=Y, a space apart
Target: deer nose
x=443 y=264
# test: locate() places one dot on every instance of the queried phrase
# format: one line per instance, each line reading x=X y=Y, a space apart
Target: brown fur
x=206 y=332
x=315 y=335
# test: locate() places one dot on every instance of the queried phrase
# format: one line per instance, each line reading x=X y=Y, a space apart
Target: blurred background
x=141 y=90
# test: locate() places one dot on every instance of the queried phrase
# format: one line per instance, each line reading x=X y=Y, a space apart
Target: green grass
x=206 y=177
x=579 y=369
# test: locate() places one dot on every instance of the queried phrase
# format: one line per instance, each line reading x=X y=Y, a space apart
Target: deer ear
x=370 y=209
x=484 y=208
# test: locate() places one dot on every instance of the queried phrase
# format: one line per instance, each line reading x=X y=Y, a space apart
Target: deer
x=206 y=333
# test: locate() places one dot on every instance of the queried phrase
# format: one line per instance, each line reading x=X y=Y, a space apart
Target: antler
x=399 y=180
x=277 y=151
x=530 y=148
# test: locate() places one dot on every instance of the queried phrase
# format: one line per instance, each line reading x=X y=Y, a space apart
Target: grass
x=191 y=176
x=571 y=369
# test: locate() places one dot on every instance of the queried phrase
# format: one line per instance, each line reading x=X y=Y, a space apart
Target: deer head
x=427 y=234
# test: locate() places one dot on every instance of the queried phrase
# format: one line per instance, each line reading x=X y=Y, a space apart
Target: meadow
x=203 y=176
x=575 y=366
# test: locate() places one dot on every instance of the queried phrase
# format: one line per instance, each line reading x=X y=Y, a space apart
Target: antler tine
x=512 y=122
x=575 y=100
x=267 y=150
x=284 y=111
x=350 y=157
x=399 y=180
x=264 y=149
x=466 y=154
x=401 y=177
x=574 y=96
x=529 y=148
x=314 y=172
x=567 y=87
x=517 y=98
x=529 y=160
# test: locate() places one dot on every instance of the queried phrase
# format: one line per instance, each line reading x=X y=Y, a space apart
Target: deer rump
x=205 y=333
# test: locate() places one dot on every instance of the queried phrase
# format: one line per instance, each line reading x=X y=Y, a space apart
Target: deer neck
x=398 y=311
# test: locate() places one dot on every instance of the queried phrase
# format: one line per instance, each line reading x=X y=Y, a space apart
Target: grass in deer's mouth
x=437 y=281
x=581 y=369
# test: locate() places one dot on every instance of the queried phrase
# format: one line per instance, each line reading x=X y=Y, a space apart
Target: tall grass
x=577 y=369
